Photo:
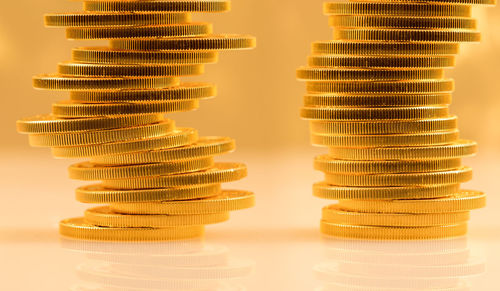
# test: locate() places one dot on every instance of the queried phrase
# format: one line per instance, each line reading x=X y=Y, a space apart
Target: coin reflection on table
x=176 y=265
x=446 y=264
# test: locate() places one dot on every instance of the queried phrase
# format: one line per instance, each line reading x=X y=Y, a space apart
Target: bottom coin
x=104 y=216
x=337 y=215
x=80 y=229
x=393 y=233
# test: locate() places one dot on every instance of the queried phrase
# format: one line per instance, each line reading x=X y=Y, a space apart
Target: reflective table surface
x=274 y=246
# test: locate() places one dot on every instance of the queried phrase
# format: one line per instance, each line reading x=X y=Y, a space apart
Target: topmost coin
x=158 y=5
x=456 y=2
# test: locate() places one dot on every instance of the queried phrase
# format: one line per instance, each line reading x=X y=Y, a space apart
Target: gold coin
x=70 y=109
x=327 y=164
x=104 y=216
x=105 y=55
x=180 y=137
x=399 y=49
x=337 y=215
x=376 y=113
x=101 y=195
x=385 y=140
x=394 y=87
x=219 y=173
x=186 y=91
x=344 y=74
x=114 y=19
x=58 y=82
x=326 y=191
x=364 y=21
x=406 y=35
x=42 y=124
x=205 y=146
x=90 y=171
x=389 y=61
x=78 y=228
x=393 y=233
x=159 y=5
x=463 y=2
x=172 y=30
x=460 y=148
x=102 y=136
x=396 y=9
x=383 y=126
x=106 y=70
x=463 y=200
x=228 y=200
x=460 y=175
x=211 y=42
x=388 y=100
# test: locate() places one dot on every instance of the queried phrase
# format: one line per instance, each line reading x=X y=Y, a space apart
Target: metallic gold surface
x=227 y=200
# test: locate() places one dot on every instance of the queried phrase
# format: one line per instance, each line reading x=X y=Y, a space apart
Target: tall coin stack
x=377 y=98
x=160 y=181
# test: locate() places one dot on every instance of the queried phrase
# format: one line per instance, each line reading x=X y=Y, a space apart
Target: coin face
x=376 y=98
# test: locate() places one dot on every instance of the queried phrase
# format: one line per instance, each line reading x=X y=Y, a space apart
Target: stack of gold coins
x=159 y=181
x=378 y=99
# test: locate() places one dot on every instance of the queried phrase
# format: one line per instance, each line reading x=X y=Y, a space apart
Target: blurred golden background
x=259 y=98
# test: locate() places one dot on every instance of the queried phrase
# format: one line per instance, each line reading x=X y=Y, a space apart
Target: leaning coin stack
x=377 y=98
x=160 y=181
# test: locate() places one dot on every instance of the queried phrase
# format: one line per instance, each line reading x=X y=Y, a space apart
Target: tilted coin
x=385 y=126
x=460 y=148
x=327 y=191
x=78 y=228
x=358 y=48
x=72 y=109
x=211 y=42
x=327 y=164
x=44 y=124
x=63 y=83
x=99 y=194
x=185 y=91
x=386 y=140
x=463 y=200
x=227 y=200
x=102 y=136
x=91 y=171
x=396 y=9
x=142 y=70
x=463 y=2
x=383 y=61
x=104 y=216
x=205 y=146
x=385 y=21
x=180 y=137
x=369 y=87
x=337 y=215
x=87 y=19
x=406 y=35
x=454 y=176
x=372 y=74
x=159 y=5
x=375 y=113
x=172 y=30
x=219 y=173
x=105 y=55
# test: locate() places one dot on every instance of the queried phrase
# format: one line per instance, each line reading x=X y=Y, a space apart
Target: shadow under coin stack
x=377 y=98
x=160 y=181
